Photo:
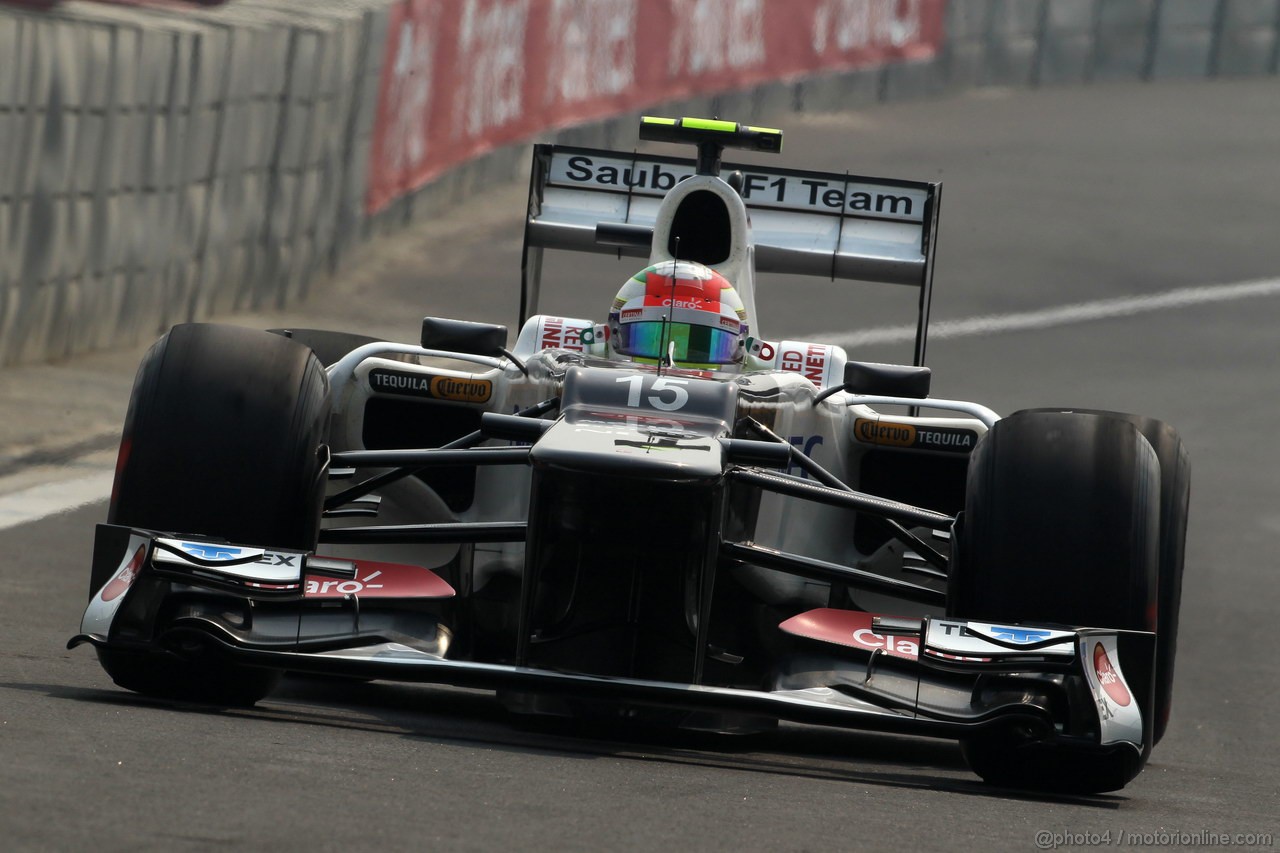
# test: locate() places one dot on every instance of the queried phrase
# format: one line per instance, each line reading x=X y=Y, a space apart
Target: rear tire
x=328 y=346
x=1061 y=525
x=225 y=437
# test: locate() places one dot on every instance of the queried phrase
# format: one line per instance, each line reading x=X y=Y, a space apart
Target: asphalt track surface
x=1051 y=198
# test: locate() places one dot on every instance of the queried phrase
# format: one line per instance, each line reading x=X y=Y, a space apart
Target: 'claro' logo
x=892 y=434
x=1108 y=678
x=459 y=389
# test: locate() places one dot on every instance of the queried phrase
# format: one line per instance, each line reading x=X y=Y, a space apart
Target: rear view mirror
x=887 y=380
x=463 y=336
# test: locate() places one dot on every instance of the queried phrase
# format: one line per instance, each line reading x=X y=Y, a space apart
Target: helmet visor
x=694 y=344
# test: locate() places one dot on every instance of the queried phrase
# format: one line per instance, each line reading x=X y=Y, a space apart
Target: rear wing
x=802 y=222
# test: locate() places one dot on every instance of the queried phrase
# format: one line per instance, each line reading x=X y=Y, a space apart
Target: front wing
x=933 y=676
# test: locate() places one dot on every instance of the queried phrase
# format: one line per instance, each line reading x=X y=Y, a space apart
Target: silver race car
x=663 y=515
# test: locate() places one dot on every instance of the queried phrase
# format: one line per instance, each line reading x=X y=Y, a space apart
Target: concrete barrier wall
x=161 y=165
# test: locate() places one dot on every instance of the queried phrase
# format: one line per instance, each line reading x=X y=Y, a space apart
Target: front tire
x=226 y=437
x=1061 y=526
x=1175 y=502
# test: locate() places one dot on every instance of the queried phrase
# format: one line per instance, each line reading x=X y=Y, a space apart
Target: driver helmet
x=680 y=302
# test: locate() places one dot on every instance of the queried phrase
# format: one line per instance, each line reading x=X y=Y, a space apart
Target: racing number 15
x=679 y=396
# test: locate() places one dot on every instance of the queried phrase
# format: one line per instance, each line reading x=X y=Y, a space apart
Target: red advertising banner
x=461 y=77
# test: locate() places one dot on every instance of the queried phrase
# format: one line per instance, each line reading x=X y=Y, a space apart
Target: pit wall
x=163 y=162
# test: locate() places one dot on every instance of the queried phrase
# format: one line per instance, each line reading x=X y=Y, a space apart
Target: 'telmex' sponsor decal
x=455 y=388
x=892 y=434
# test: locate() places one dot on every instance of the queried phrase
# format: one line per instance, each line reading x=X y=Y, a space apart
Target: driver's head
x=682 y=303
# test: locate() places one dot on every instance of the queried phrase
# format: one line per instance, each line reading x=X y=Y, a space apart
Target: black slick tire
x=1175 y=501
x=226 y=437
x=1060 y=526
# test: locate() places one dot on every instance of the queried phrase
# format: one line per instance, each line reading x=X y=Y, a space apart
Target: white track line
x=41 y=501
x=48 y=499
x=1081 y=312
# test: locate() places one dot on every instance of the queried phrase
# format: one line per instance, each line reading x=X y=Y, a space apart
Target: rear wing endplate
x=838 y=226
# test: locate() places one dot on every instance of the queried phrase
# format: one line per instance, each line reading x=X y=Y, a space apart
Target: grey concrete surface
x=1036 y=213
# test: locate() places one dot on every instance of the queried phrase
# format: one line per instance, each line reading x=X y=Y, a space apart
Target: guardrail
x=162 y=162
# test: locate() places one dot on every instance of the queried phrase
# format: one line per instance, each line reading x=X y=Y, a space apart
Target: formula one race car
x=609 y=518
